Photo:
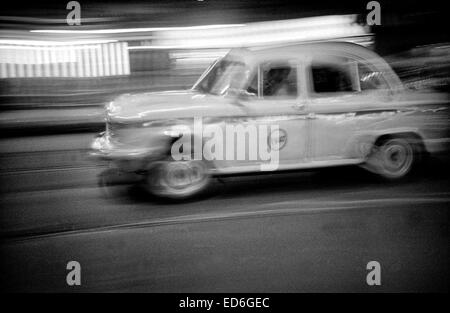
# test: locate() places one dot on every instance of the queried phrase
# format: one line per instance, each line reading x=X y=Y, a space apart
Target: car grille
x=121 y=132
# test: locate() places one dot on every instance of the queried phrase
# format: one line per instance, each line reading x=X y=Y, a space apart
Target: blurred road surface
x=293 y=232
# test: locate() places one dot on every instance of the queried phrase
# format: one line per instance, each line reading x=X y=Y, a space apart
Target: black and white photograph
x=224 y=152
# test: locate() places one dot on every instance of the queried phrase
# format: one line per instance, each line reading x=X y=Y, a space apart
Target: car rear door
x=347 y=98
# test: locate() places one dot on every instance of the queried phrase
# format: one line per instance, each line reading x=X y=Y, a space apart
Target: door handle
x=311 y=116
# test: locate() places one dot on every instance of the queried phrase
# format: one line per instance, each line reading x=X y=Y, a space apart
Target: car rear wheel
x=178 y=179
x=394 y=158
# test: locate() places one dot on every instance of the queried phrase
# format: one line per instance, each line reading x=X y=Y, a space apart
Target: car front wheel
x=178 y=179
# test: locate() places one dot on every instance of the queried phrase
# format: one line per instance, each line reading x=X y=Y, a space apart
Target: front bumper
x=104 y=149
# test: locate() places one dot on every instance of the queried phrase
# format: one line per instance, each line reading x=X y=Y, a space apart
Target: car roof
x=258 y=55
x=293 y=50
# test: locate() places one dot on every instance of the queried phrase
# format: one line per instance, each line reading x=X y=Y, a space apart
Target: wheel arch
x=411 y=135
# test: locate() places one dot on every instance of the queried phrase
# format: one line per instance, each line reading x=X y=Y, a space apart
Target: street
x=311 y=231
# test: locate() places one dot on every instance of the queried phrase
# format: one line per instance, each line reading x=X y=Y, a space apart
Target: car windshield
x=222 y=77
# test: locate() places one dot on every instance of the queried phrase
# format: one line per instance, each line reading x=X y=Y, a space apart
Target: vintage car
x=324 y=104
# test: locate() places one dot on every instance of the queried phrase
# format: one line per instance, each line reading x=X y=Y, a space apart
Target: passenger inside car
x=279 y=82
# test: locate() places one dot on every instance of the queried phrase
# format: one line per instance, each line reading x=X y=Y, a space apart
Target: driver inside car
x=277 y=83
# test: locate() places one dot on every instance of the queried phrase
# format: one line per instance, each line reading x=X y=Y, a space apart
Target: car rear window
x=332 y=77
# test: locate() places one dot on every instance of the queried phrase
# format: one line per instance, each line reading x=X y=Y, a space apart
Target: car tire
x=394 y=158
x=178 y=180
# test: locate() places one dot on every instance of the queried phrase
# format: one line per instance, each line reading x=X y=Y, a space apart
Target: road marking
x=197 y=218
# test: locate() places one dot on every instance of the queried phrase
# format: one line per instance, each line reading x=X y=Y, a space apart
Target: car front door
x=277 y=103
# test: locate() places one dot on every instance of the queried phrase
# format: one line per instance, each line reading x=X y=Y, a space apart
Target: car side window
x=333 y=77
x=370 y=79
x=279 y=81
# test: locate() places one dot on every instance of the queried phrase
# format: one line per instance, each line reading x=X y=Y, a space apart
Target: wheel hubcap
x=180 y=175
x=397 y=158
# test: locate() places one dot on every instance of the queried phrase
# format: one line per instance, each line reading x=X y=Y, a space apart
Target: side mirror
x=243 y=95
x=248 y=95
x=240 y=93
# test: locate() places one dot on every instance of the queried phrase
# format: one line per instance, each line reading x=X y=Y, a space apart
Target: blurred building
x=128 y=50
x=25 y=59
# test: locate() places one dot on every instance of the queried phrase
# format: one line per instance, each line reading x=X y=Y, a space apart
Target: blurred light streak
x=36 y=20
x=196 y=58
x=133 y=30
x=264 y=33
x=24 y=43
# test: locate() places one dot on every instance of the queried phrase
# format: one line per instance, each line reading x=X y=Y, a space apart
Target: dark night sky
x=249 y=8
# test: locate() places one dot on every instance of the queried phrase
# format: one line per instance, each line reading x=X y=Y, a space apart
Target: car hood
x=168 y=104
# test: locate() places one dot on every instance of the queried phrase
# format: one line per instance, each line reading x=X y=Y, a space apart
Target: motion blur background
x=55 y=80
x=52 y=74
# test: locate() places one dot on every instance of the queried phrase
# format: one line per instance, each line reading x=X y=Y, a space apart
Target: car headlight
x=176 y=131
